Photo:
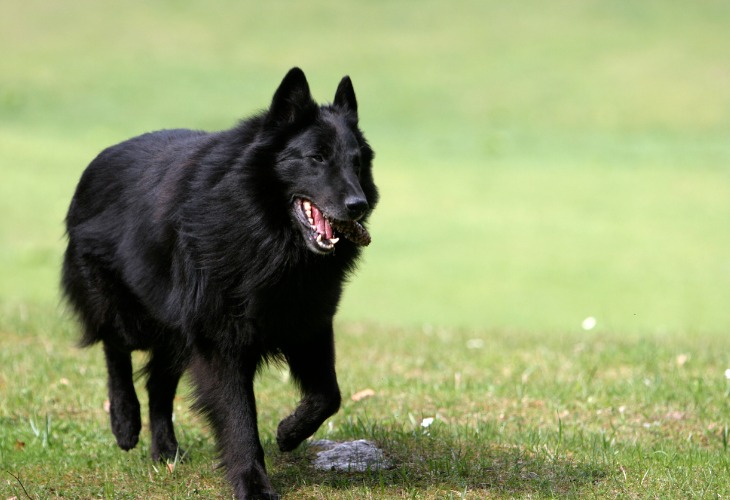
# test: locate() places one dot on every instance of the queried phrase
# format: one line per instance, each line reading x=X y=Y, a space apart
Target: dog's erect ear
x=345 y=95
x=292 y=99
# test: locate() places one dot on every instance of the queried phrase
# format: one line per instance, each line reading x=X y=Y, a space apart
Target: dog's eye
x=317 y=158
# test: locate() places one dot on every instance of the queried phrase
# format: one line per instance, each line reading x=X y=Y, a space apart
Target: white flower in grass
x=426 y=422
x=727 y=374
x=589 y=323
x=474 y=344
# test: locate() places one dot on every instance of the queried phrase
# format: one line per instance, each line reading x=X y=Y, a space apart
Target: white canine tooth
x=311 y=221
x=307 y=205
x=319 y=239
x=308 y=212
x=334 y=240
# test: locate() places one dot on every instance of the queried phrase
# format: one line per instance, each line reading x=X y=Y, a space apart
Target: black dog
x=218 y=252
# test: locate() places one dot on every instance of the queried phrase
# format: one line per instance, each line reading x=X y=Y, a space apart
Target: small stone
x=349 y=456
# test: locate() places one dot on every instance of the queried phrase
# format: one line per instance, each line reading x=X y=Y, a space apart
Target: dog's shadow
x=446 y=468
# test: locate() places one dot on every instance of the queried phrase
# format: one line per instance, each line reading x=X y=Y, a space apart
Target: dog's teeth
x=334 y=240
x=308 y=212
x=319 y=239
x=311 y=221
x=307 y=205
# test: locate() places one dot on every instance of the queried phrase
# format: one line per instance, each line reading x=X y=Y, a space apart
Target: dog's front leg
x=224 y=386
x=312 y=365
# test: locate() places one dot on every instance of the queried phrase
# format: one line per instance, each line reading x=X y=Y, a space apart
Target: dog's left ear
x=345 y=95
x=292 y=99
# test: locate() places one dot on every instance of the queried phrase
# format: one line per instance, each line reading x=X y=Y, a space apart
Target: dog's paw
x=127 y=437
x=168 y=454
x=126 y=424
x=288 y=435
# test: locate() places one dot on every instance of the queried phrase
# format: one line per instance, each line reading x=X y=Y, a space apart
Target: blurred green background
x=539 y=162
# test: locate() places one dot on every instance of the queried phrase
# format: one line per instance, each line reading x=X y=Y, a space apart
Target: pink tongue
x=319 y=221
x=322 y=224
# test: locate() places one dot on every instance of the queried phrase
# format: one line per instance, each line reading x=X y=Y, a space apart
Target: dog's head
x=324 y=163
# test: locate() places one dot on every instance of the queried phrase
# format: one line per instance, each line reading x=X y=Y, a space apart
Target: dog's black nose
x=356 y=207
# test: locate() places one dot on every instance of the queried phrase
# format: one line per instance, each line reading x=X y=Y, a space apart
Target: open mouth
x=324 y=232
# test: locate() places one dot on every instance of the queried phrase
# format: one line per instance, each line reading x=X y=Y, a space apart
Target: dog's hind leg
x=312 y=366
x=163 y=376
x=124 y=405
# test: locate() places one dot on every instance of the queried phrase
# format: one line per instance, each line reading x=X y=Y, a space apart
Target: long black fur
x=185 y=244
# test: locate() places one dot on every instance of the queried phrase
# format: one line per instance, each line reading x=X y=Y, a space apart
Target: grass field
x=538 y=164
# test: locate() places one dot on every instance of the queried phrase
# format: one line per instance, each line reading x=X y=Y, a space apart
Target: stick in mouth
x=324 y=228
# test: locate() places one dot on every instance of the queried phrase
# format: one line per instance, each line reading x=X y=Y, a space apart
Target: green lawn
x=538 y=164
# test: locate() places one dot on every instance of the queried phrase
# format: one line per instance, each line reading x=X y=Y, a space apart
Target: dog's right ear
x=345 y=95
x=292 y=100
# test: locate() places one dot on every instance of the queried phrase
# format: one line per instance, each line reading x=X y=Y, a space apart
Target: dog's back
x=121 y=229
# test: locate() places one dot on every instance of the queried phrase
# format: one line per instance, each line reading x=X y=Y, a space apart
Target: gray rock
x=349 y=456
